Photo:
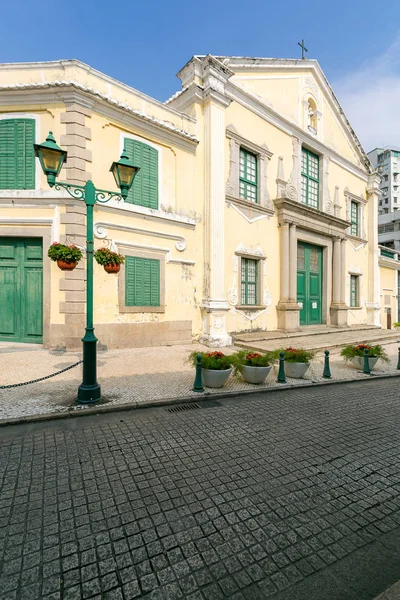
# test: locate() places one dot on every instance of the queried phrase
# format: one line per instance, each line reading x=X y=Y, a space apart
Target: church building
x=255 y=207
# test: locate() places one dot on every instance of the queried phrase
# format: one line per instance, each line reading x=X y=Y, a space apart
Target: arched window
x=312 y=116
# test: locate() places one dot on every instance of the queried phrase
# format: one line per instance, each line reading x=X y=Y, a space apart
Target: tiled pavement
x=291 y=495
x=133 y=376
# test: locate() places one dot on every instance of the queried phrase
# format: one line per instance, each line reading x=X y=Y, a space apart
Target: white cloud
x=370 y=98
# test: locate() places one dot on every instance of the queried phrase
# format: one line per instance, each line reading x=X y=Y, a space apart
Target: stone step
x=303 y=332
x=327 y=341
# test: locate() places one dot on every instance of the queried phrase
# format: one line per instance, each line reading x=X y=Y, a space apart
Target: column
x=336 y=272
x=292 y=263
x=343 y=271
x=284 y=262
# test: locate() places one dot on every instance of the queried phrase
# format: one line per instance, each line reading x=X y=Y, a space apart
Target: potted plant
x=253 y=366
x=297 y=361
x=355 y=354
x=216 y=367
x=111 y=261
x=66 y=257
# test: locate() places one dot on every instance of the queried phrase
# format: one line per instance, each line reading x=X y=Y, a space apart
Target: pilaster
x=373 y=292
x=214 y=304
x=339 y=309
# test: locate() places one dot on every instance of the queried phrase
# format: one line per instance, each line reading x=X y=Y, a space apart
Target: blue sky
x=144 y=44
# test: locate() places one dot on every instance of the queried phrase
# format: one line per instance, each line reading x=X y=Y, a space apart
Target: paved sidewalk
x=131 y=377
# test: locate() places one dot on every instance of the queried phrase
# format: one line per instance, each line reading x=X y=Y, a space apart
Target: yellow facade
x=204 y=233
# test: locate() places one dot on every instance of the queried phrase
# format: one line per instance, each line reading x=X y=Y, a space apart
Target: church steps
x=328 y=339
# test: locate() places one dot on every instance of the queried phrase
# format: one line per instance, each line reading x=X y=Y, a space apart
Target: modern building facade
x=255 y=207
x=386 y=161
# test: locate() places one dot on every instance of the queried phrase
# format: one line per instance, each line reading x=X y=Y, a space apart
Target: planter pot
x=295 y=369
x=64 y=266
x=112 y=268
x=215 y=379
x=254 y=374
x=358 y=362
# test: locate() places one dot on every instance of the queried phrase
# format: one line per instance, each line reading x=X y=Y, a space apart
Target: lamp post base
x=89 y=394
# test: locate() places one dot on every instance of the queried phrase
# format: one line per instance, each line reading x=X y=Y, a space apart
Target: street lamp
x=52 y=158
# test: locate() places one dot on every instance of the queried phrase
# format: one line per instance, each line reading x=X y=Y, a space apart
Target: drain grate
x=181 y=407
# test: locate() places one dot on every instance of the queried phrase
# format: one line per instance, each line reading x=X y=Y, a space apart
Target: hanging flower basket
x=110 y=268
x=66 y=257
x=111 y=261
x=66 y=266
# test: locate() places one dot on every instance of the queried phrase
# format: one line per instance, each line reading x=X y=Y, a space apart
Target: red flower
x=55 y=244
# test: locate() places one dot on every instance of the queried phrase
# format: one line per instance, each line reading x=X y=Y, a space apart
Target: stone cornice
x=354 y=197
x=100 y=231
x=72 y=91
x=245 y=98
x=263 y=210
x=231 y=133
x=63 y=65
x=291 y=211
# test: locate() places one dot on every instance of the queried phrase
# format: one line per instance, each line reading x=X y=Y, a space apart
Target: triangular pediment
x=298 y=91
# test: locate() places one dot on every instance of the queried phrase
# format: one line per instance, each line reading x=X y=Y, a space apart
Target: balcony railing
x=389 y=253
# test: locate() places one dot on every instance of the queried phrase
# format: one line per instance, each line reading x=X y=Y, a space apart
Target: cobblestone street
x=292 y=495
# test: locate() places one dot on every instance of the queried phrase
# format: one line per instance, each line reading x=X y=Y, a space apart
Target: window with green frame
x=142 y=281
x=354 y=301
x=354 y=218
x=17 y=160
x=144 y=191
x=249 y=282
x=248 y=176
x=309 y=178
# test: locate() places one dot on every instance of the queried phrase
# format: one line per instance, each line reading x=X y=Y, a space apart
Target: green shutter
x=353 y=290
x=249 y=281
x=142 y=281
x=354 y=218
x=248 y=176
x=309 y=178
x=144 y=191
x=17 y=160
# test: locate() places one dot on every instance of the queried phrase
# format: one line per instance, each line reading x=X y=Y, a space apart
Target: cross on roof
x=303 y=49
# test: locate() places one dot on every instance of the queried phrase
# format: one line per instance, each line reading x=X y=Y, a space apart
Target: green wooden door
x=309 y=283
x=21 y=290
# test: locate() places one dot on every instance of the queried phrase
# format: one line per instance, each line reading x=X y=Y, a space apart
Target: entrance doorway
x=309 y=283
x=21 y=290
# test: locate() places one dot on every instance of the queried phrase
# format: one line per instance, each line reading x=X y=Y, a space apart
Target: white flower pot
x=297 y=370
x=358 y=362
x=215 y=379
x=254 y=374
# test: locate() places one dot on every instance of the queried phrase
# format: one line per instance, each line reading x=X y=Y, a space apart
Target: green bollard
x=281 y=372
x=398 y=361
x=327 y=371
x=198 y=382
x=366 y=369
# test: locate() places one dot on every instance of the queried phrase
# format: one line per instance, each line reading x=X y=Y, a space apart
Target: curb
x=202 y=397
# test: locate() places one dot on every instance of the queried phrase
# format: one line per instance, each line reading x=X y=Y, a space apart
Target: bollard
x=327 y=371
x=281 y=372
x=366 y=369
x=398 y=361
x=198 y=382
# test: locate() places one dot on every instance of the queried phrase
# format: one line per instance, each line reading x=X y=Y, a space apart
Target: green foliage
x=217 y=361
x=251 y=359
x=104 y=256
x=69 y=254
x=396 y=325
x=350 y=351
x=297 y=355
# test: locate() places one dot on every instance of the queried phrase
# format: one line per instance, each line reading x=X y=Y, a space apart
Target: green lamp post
x=52 y=158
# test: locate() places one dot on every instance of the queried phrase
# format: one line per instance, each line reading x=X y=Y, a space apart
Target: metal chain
x=6 y=387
